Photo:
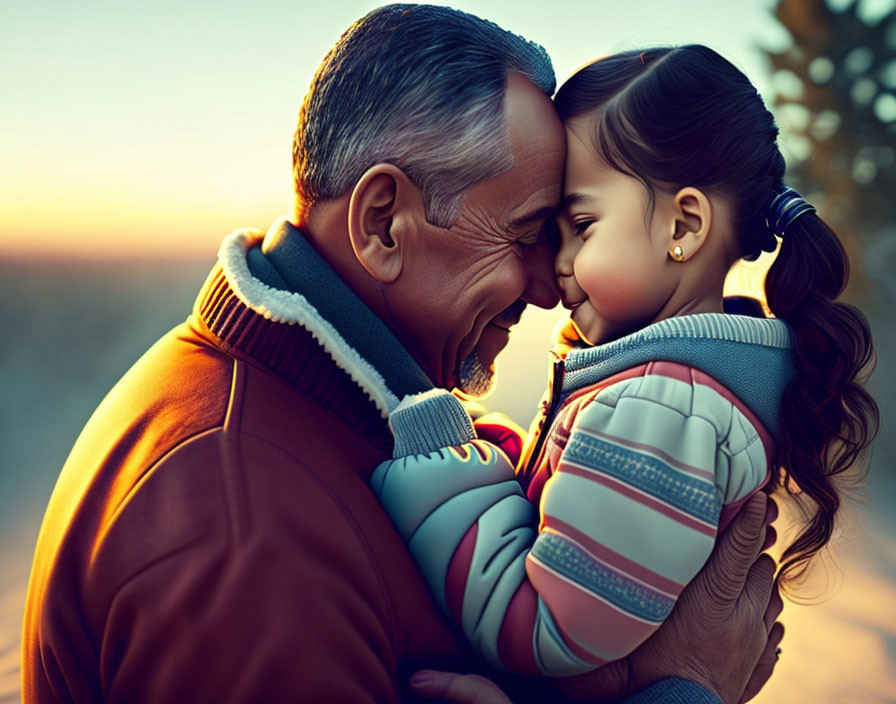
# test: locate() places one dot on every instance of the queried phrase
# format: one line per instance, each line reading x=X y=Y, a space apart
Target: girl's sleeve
x=629 y=515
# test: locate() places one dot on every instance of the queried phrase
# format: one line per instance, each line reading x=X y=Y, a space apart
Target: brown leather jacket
x=212 y=536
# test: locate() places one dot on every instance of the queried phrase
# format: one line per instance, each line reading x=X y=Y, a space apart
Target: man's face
x=474 y=278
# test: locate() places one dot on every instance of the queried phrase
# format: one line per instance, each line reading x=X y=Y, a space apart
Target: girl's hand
x=453 y=687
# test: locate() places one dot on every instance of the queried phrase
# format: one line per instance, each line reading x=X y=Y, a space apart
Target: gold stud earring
x=677 y=253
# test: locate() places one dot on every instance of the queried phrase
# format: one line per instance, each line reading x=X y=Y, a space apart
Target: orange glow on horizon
x=121 y=227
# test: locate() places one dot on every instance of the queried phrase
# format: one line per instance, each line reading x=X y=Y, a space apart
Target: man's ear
x=692 y=220
x=383 y=212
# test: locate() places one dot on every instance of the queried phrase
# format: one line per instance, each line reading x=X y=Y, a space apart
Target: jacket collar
x=318 y=301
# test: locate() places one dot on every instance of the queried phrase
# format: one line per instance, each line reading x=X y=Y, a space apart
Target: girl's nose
x=566 y=254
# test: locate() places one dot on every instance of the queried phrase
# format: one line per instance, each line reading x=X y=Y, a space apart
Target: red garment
x=212 y=536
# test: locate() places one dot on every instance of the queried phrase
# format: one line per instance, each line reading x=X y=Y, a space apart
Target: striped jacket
x=645 y=449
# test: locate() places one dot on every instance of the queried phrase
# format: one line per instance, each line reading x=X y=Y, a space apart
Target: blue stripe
x=580 y=567
x=693 y=496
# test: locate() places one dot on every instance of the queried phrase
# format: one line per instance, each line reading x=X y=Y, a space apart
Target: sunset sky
x=152 y=128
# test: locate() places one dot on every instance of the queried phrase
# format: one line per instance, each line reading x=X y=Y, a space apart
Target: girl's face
x=612 y=263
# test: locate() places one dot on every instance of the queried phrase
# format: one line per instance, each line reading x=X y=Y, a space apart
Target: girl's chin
x=593 y=329
x=583 y=320
x=583 y=335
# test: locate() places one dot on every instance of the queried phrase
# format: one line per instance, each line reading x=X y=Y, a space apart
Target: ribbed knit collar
x=248 y=314
x=749 y=356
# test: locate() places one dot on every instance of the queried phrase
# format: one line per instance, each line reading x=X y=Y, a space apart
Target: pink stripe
x=653 y=450
x=533 y=493
x=612 y=559
x=632 y=373
x=729 y=511
x=642 y=498
x=502 y=437
x=673 y=370
x=458 y=571
x=593 y=629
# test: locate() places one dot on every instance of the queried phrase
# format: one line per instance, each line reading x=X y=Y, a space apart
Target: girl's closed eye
x=580 y=228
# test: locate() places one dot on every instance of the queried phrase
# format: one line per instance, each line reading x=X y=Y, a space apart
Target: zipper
x=553 y=404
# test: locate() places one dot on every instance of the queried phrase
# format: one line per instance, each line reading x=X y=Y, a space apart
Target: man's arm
x=476 y=689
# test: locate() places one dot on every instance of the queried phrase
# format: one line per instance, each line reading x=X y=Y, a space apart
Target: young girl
x=652 y=437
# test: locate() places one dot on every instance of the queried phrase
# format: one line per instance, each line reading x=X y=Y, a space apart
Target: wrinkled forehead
x=538 y=140
x=518 y=200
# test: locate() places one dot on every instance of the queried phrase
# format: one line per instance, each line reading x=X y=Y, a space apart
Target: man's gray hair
x=418 y=86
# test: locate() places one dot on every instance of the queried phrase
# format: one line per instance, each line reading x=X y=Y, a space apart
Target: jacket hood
x=752 y=357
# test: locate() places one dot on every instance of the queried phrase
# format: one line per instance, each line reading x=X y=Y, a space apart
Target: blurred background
x=134 y=136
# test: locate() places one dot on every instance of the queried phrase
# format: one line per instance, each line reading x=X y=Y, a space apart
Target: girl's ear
x=383 y=213
x=692 y=221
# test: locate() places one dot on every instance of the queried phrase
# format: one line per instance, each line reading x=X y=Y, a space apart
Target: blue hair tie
x=785 y=207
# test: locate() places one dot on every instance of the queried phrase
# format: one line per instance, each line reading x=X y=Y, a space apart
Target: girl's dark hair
x=685 y=116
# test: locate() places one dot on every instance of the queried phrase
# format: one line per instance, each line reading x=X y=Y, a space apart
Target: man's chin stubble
x=475 y=379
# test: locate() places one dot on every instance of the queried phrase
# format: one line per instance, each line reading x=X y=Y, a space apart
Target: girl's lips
x=573 y=306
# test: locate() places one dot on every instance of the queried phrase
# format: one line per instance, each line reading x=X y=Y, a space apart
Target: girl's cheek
x=610 y=286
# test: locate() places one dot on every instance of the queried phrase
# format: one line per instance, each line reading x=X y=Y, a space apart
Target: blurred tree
x=835 y=98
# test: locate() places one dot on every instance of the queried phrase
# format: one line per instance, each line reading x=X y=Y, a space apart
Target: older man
x=212 y=536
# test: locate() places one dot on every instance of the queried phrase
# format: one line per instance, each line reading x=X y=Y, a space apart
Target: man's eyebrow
x=572 y=199
x=533 y=218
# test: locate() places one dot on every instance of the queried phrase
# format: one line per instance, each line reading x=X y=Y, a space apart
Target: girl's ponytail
x=829 y=419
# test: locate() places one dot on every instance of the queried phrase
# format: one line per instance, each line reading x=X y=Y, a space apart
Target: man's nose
x=541 y=289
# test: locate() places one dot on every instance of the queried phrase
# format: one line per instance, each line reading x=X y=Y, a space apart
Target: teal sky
x=158 y=127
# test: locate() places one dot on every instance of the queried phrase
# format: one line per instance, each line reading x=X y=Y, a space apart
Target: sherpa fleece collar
x=381 y=367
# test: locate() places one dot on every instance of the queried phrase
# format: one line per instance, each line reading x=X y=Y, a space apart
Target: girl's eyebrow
x=572 y=199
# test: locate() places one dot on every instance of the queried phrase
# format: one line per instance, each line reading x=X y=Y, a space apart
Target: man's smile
x=501 y=325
